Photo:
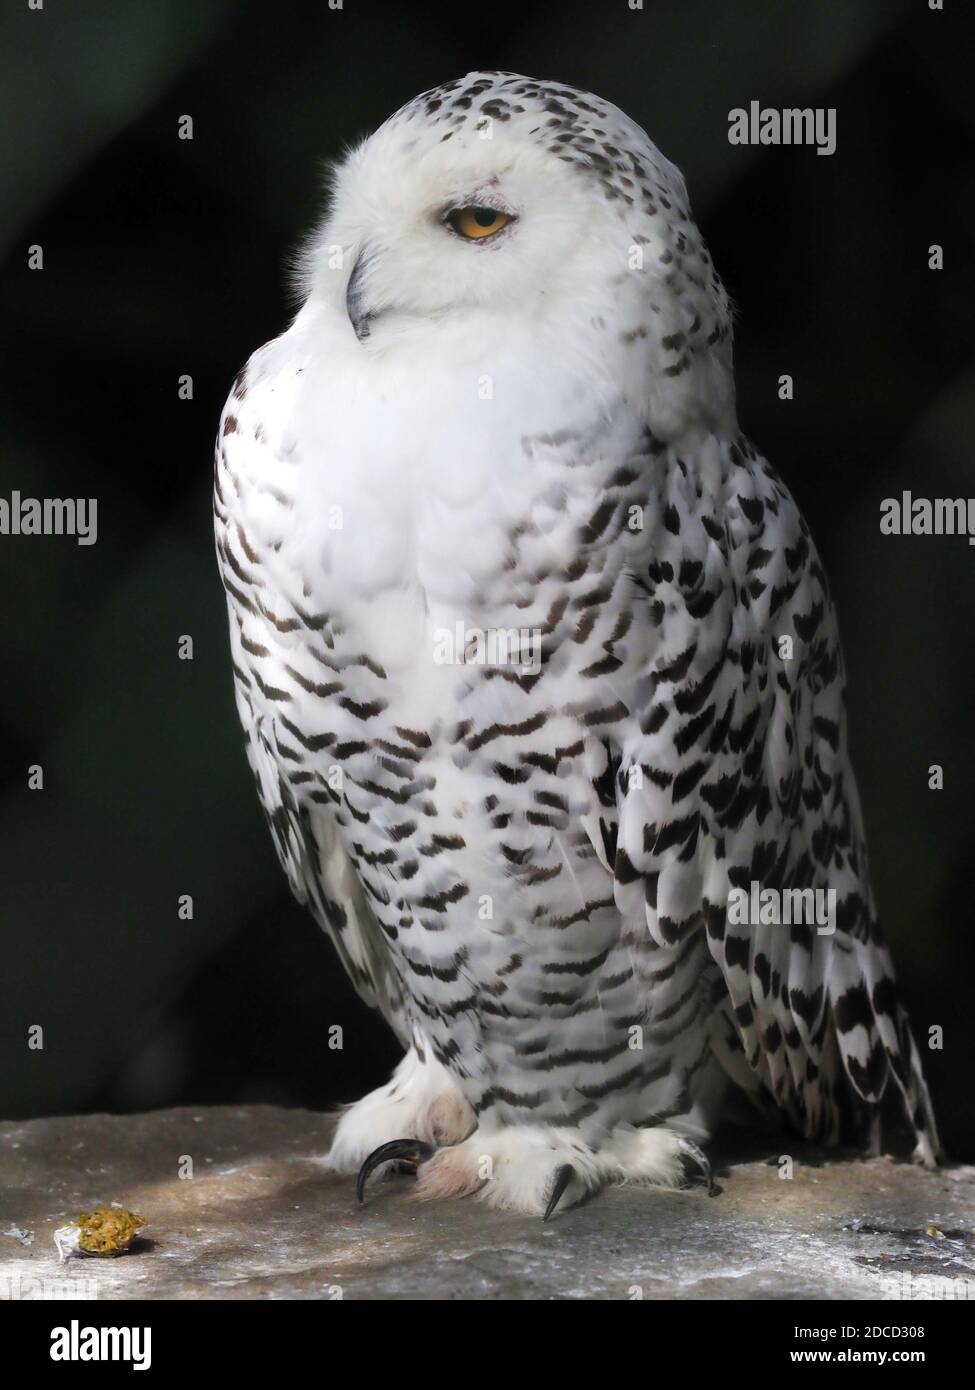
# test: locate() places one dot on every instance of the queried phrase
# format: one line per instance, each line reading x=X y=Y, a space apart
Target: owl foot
x=421 y=1102
x=537 y=1169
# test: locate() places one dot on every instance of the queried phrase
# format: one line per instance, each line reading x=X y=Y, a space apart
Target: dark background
x=165 y=257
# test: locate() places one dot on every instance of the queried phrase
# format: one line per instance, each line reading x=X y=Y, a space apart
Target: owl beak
x=355 y=305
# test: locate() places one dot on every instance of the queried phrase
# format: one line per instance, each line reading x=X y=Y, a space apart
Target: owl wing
x=734 y=771
x=251 y=508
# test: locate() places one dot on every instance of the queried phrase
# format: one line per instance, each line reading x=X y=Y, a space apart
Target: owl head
x=497 y=200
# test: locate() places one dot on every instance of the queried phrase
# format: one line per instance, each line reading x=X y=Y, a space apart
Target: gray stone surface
x=261 y=1219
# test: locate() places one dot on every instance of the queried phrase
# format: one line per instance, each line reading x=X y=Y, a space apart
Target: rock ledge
x=260 y=1218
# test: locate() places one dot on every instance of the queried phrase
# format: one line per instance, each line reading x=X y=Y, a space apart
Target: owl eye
x=475 y=223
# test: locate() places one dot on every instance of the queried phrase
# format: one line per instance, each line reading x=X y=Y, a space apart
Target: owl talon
x=695 y=1152
x=408 y=1152
x=563 y=1176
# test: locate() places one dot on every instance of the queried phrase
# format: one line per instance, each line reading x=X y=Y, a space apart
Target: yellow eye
x=476 y=223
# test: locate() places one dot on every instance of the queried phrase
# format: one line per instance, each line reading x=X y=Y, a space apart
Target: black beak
x=359 y=315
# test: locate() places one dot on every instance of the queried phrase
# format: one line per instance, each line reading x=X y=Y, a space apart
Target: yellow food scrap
x=108 y=1230
x=104 y=1231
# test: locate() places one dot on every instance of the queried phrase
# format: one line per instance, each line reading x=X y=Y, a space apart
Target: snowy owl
x=540 y=674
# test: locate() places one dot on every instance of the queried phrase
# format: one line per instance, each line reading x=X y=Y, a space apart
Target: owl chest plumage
x=448 y=576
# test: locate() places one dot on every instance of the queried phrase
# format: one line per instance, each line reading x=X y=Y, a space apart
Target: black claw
x=563 y=1176
x=704 y=1164
x=408 y=1151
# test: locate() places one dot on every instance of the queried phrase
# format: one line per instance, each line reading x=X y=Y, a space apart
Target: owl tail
x=876 y=1041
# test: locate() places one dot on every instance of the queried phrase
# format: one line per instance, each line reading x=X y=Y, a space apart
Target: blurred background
x=165 y=257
